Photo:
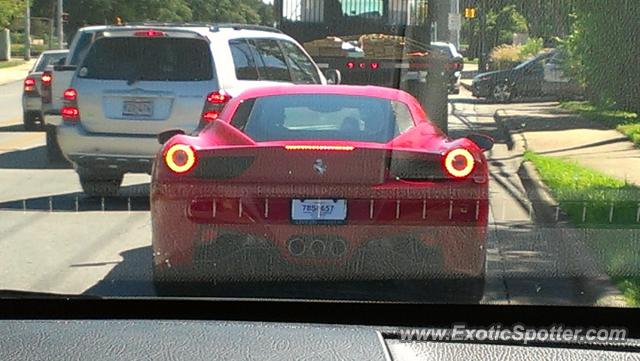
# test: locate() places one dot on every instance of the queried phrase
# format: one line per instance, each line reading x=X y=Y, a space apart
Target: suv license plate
x=137 y=108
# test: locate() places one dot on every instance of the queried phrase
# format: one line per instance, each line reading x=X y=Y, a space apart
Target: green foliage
x=602 y=55
x=532 y=47
x=584 y=192
x=10 y=10
x=86 y=12
x=508 y=56
x=10 y=63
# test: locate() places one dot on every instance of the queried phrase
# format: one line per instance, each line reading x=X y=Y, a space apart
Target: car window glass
x=302 y=68
x=48 y=59
x=243 y=59
x=324 y=117
x=273 y=65
x=151 y=59
x=80 y=48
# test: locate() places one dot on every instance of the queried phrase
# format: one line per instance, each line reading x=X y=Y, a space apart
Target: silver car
x=31 y=101
x=136 y=83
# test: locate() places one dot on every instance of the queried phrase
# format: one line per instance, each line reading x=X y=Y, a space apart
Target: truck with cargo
x=373 y=42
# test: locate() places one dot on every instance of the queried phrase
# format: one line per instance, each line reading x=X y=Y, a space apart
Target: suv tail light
x=70 y=112
x=150 y=33
x=29 y=85
x=213 y=106
x=45 y=86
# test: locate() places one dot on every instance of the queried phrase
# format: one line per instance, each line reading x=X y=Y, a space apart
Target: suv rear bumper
x=126 y=153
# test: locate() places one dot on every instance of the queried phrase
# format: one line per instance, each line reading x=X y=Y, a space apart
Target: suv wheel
x=30 y=120
x=98 y=184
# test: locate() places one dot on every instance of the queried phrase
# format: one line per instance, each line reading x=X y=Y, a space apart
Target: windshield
x=323 y=117
x=371 y=150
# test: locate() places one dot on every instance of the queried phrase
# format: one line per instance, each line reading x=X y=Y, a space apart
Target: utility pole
x=483 y=40
x=60 y=30
x=27 y=32
x=454 y=35
x=52 y=23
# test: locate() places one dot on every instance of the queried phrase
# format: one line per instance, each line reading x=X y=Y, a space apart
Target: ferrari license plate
x=318 y=211
x=137 y=108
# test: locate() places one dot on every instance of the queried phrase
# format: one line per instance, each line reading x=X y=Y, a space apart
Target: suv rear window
x=150 y=59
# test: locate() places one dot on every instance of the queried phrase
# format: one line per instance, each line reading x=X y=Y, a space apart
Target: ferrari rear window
x=323 y=117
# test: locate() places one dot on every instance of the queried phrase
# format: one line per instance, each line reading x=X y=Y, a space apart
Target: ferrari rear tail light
x=45 y=86
x=180 y=158
x=459 y=163
x=150 y=33
x=29 y=85
x=213 y=106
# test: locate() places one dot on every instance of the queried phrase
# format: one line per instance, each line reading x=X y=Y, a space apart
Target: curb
x=599 y=288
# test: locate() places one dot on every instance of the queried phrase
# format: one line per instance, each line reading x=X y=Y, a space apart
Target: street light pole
x=60 y=30
x=27 y=32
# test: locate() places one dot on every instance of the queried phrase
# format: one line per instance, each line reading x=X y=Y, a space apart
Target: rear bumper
x=394 y=239
x=123 y=152
x=31 y=103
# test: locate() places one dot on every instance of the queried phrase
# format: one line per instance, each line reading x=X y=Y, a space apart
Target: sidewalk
x=547 y=129
x=15 y=73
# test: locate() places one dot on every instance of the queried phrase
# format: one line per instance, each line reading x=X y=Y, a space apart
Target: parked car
x=454 y=67
x=31 y=101
x=312 y=182
x=136 y=83
x=541 y=75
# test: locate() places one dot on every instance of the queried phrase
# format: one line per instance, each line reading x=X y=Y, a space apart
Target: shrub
x=505 y=57
x=532 y=47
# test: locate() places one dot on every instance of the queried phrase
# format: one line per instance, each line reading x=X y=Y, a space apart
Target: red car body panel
x=243 y=187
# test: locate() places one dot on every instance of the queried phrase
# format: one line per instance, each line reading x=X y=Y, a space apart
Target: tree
x=602 y=52
x=10 y=10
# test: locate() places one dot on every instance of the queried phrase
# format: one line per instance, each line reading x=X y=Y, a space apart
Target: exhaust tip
x=296 y=246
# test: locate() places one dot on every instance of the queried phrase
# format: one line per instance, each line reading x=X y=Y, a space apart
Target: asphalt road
x=54 y=239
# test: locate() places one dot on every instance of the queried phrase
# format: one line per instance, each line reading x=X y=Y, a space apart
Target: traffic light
x=470 y=13
x=65 y=17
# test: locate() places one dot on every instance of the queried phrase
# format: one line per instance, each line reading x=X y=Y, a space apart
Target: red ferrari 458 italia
x=318 y=183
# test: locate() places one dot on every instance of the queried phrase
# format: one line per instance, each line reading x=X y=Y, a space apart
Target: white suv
x=135 y=83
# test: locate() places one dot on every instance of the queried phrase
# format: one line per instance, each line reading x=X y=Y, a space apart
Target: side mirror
x=168 y=134
x=333 y=76
x=484 y=142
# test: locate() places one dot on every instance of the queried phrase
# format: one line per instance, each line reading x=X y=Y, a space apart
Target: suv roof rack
x=159 y=23
x=212 y=26
x=217 y=27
